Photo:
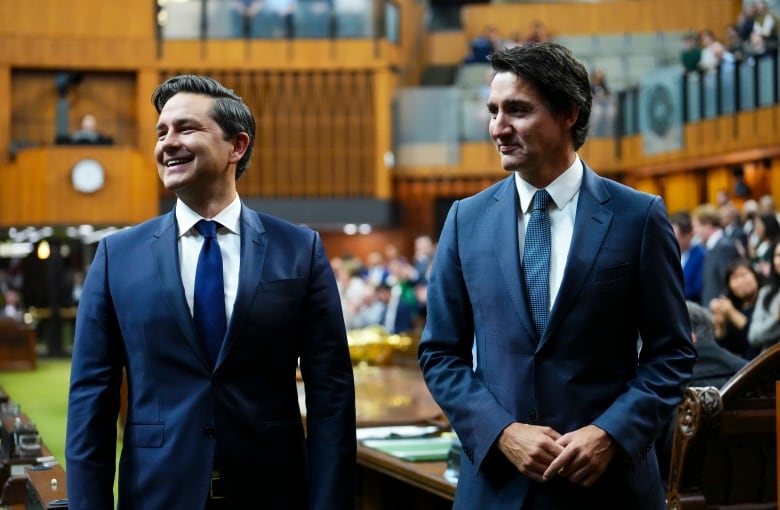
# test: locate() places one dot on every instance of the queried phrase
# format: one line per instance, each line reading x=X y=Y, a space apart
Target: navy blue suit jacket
x=133 y=314
x=622 y=279
x=693 y=272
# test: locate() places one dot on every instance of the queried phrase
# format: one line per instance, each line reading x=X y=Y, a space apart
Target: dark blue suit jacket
x=133 y=314
x=693 y=272
x=622 y=279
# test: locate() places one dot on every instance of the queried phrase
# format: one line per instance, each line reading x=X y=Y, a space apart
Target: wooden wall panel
x=681 y=191
x=78 y=18
x=601 y=17
x=41 y=190
x=110 y=96
x=5 y=111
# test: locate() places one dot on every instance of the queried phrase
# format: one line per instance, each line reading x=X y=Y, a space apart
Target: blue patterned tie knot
x=536 y=261
x=209 y=306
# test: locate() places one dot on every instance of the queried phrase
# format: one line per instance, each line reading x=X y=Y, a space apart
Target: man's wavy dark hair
x=560 y=79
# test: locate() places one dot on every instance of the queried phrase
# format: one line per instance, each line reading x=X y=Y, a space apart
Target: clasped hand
x=539 y=452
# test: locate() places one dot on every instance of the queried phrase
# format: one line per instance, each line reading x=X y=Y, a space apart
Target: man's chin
x=510 y=164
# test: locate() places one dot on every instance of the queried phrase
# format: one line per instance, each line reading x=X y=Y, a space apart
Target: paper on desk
x=413 y=450
x=398 y=431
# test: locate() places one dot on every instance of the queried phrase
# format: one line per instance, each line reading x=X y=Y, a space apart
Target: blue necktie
x=209 y=308
x=536 y=260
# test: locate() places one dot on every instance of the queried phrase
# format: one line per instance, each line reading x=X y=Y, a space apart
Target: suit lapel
x=590 y=228
x=253 y=249
x=166 y=258
x=503 y=219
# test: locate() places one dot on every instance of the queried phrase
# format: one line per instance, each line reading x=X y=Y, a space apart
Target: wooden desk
x=12 y=469
x=385 y=482
x=397 y=396
x=17 y=345
x=41 y=492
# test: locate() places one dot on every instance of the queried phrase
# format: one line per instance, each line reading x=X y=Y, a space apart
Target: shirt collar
x=716 y=236
x=561 y=190
x=229 y=217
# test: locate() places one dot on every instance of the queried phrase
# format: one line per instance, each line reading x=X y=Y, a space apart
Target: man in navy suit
x=219 y=432
x=691 y=255
x=564 y=419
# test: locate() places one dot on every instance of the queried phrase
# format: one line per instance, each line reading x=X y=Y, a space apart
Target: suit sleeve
x=666 y=355
x=445 y=352
x=93 y=401
x=326 y=368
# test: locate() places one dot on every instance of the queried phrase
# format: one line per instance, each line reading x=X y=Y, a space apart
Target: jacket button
x=210 y=432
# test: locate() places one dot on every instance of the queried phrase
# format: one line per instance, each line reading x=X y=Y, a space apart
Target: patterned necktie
x=209 y=308
x=536 y=261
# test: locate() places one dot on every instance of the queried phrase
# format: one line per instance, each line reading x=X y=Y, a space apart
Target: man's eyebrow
x=509 y=104
x=177 y=122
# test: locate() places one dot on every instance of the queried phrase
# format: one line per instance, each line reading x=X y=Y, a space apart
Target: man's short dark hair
x=683 y=221
x=560 y=79
x=230 y=112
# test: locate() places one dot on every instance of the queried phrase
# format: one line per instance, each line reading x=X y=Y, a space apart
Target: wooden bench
x=17 y=345
x=724 y=454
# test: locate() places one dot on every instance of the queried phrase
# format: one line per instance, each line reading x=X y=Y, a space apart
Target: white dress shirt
x=564 y=191
x=190 y=242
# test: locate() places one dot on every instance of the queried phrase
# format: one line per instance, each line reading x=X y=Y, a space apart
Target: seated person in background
x=764 y=330
x=731 y=313
x=88 y=132
x=714 y=366
x=12 y=307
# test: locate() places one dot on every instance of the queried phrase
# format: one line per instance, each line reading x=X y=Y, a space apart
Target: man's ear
x=240 y=145
x=693 y=337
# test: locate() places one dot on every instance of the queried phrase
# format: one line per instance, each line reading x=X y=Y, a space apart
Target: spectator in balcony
x=765 y=24
x=691 y=52
x=746 y=21
x=484 y=45
x=538 y=33
x=604 y=111
x=734 y=43
x=757 y=48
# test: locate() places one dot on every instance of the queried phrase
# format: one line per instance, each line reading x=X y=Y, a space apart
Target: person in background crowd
x=210 y=309
x=88 y=132
x=766 y=229
x=690 y=53
x=691 y=255
x=12 y=307
x=764 y=330
x=731 y=313
x=558 y=410
x=721 y=251
x=714 y=367
x=423 y=256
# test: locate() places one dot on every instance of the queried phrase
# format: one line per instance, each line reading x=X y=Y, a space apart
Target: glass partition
x=276 y=19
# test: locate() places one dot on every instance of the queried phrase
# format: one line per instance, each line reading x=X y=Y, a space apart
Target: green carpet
x=43 y=397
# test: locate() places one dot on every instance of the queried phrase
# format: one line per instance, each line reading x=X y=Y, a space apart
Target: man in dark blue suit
x=691 y=255
x=564 y=402
x=213 y=420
